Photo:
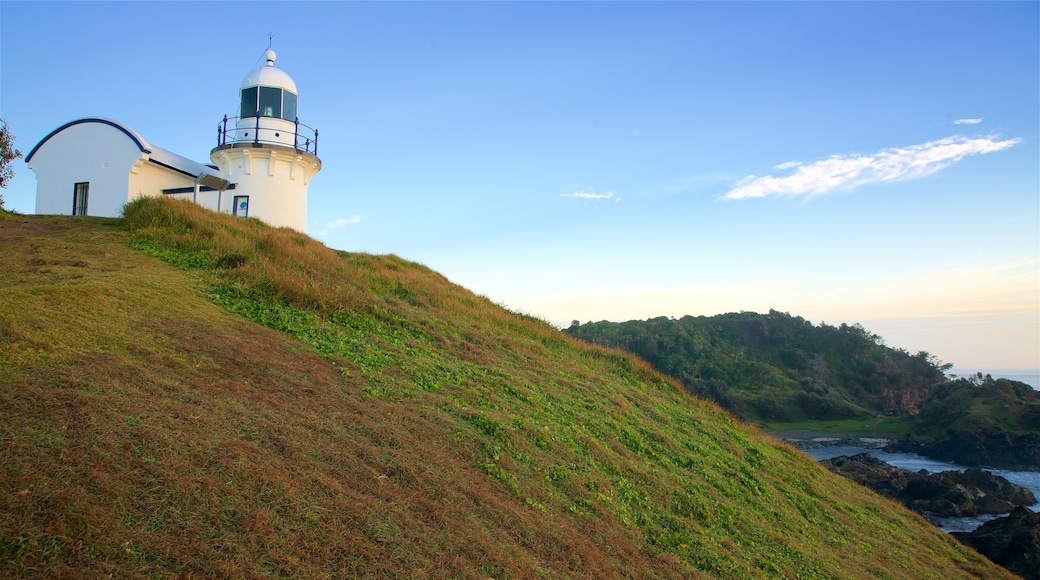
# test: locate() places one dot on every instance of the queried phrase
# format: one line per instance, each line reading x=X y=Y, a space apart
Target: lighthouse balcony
x=242 y=131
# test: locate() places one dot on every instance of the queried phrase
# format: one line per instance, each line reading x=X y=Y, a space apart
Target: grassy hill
x=188 y=394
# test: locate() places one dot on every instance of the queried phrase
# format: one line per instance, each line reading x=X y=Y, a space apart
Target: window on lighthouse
x=249 y=102
x=288 y=106
x=270 y=102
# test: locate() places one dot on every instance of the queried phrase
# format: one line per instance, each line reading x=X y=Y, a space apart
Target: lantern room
x=268 y=111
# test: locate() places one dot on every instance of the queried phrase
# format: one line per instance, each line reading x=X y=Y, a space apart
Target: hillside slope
x=377 y=422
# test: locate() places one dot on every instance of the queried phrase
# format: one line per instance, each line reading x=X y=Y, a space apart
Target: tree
x=7 y=154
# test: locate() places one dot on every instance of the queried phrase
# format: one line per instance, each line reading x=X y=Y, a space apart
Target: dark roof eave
x=140 y=146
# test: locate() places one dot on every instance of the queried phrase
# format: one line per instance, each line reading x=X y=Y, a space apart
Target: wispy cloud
x=589 y=195
x=788 y=165
x=967 y=121
x=338 y=224
x=845 y=172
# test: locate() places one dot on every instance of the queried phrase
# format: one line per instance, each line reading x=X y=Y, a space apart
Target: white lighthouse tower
x=266 y=152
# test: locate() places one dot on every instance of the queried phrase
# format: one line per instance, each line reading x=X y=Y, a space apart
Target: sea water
x=915 y=462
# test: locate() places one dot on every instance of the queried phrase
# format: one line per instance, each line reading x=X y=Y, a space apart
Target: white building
x=262 y=164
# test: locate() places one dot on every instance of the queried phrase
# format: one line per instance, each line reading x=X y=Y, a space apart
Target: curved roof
x=157 y=155
x=134 y=136
x=269 y=76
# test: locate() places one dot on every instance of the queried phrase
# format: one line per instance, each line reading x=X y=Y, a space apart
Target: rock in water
x=1012 y=541
x=947 y=494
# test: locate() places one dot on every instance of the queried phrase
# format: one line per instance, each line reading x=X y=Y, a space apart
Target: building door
x=79 y=198
x=242 y=205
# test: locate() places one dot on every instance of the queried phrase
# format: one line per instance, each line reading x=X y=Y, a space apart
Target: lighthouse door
x=241 y=206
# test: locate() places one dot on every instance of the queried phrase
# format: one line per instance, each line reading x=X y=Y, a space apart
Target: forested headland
x=779 y=370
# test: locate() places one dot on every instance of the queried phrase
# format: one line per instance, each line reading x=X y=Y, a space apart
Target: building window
x=241 y=206
x=79 y=198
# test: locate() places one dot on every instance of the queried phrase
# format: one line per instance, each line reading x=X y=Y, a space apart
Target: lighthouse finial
x=270 y=54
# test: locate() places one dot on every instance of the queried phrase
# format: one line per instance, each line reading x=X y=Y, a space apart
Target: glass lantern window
x=249 y=102
x=270 y=102
x=288 y=106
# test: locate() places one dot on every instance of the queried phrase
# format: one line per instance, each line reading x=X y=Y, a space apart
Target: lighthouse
x=266 y=151
x=262 y=165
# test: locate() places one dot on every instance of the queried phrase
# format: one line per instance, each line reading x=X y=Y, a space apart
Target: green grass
x=192 y=395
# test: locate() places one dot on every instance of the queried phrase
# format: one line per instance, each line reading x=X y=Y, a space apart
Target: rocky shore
x=946 y=494
x=1000 y=450
x=1012 y=541
x=817 y=439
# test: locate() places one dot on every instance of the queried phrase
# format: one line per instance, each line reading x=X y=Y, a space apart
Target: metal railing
x=304 y=138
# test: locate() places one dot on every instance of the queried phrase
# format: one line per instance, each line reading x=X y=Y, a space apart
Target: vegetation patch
x=775 y=369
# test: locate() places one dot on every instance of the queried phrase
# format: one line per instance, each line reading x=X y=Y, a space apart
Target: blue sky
x=844 y=162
